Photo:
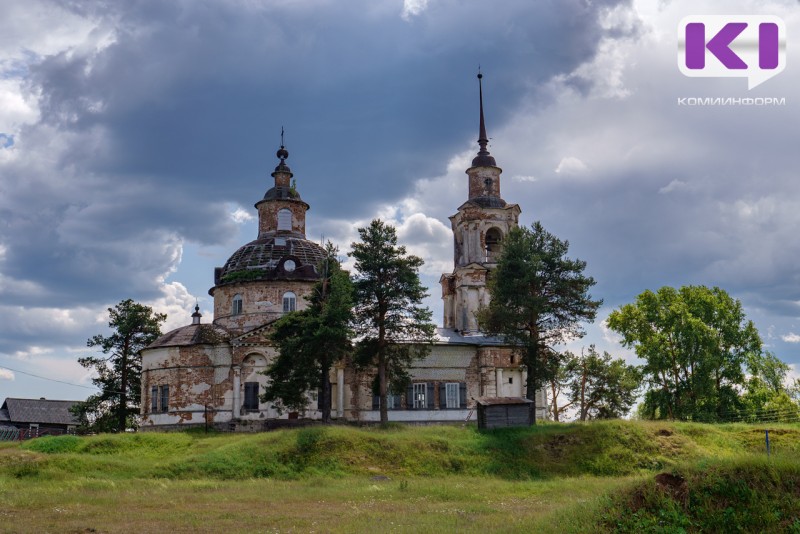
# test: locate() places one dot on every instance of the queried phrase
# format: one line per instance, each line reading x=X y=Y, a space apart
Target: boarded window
x=164 y=398
x=251 y=395
x=237 y=305
x=285 y=219
x=289 y=302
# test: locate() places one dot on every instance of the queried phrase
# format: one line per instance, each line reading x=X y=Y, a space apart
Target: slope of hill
x=613 y=475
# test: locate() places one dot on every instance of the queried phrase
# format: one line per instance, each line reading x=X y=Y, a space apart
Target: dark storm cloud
x=141 y=142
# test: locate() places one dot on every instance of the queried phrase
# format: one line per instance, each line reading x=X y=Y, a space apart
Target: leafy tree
x=119 y=372
x=600 y=386
x=695 y=342
x=559 y=381
x=539 y=298
x=766 y=396
x=310 y=342
x=393 y=327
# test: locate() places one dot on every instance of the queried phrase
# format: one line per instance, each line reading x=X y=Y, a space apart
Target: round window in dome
x=289 y=266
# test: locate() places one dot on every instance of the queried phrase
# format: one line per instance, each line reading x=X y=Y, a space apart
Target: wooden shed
x=503 y=412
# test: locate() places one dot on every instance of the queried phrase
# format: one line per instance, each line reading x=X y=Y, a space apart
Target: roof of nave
x=193 y=334
x=450 y=336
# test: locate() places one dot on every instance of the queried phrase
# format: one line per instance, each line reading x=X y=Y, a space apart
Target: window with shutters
x=392 y=401
x=251 y=396
x=419 y=392
x=452 y=396
x=285 y=219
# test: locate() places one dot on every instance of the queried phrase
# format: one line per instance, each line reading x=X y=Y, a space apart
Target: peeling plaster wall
x=198 y=376
x=479 y=177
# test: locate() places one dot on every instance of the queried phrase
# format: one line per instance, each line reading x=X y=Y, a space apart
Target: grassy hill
x=615 y=475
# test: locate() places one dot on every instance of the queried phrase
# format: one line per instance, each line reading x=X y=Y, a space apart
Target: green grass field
x=601 y=476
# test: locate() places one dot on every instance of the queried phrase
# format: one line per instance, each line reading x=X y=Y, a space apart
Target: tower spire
x=483 y=139
x=483 y=159
x=283 y=155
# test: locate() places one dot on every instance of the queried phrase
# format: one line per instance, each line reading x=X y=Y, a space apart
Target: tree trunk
x=555 y=401
x=382 y=389
x=325 y=394
x=583 y=390
x=530 y=393
x=123 y=395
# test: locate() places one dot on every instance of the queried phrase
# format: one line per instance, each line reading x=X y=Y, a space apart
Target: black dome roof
x=263 y=259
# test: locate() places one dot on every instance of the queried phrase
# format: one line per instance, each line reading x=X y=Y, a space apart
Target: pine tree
x=310 y=342
x=393 y=327
x=119 y=378
x=538 y=299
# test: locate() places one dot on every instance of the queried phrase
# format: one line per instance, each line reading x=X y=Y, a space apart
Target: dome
x=484 y=160
x=264 y=259
x=282 y=193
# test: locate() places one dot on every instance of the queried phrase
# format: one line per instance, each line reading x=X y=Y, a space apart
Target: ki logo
x=732 y=46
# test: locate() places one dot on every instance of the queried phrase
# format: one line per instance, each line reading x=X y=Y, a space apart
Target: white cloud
x=791 y=337
x=675 y=185
x=412 y=8
x=239 y=215
x=5 y=374
x=178 y=304
x=571 y=165
x=32 y=352
x=521 y=178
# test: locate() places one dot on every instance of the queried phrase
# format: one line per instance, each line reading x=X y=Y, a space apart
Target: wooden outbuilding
x=504 y=412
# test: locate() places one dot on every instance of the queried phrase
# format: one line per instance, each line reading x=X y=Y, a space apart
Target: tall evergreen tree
x=119 y=372
x=393 y=327
x=539 y=298
x=310 y=342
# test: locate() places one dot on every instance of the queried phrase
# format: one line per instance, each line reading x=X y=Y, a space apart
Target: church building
x=212 y=373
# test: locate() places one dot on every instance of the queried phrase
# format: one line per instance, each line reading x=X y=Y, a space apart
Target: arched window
x=289 y=302
x=494 y=244
x=236 y=308
x=285 y=219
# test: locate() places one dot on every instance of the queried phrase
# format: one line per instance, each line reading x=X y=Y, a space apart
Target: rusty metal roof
x=263 y=256
x=193 y=334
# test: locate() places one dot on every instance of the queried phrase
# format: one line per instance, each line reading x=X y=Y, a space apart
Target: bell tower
x=479 y=228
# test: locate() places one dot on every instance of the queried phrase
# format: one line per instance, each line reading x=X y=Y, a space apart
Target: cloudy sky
x=136 y=136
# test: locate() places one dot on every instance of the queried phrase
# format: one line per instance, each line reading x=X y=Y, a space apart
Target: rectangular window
x=392 y=401
x=154 y=399
x=164 y=398
x=251 y=395
x=419 y=396
x=452 y=395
